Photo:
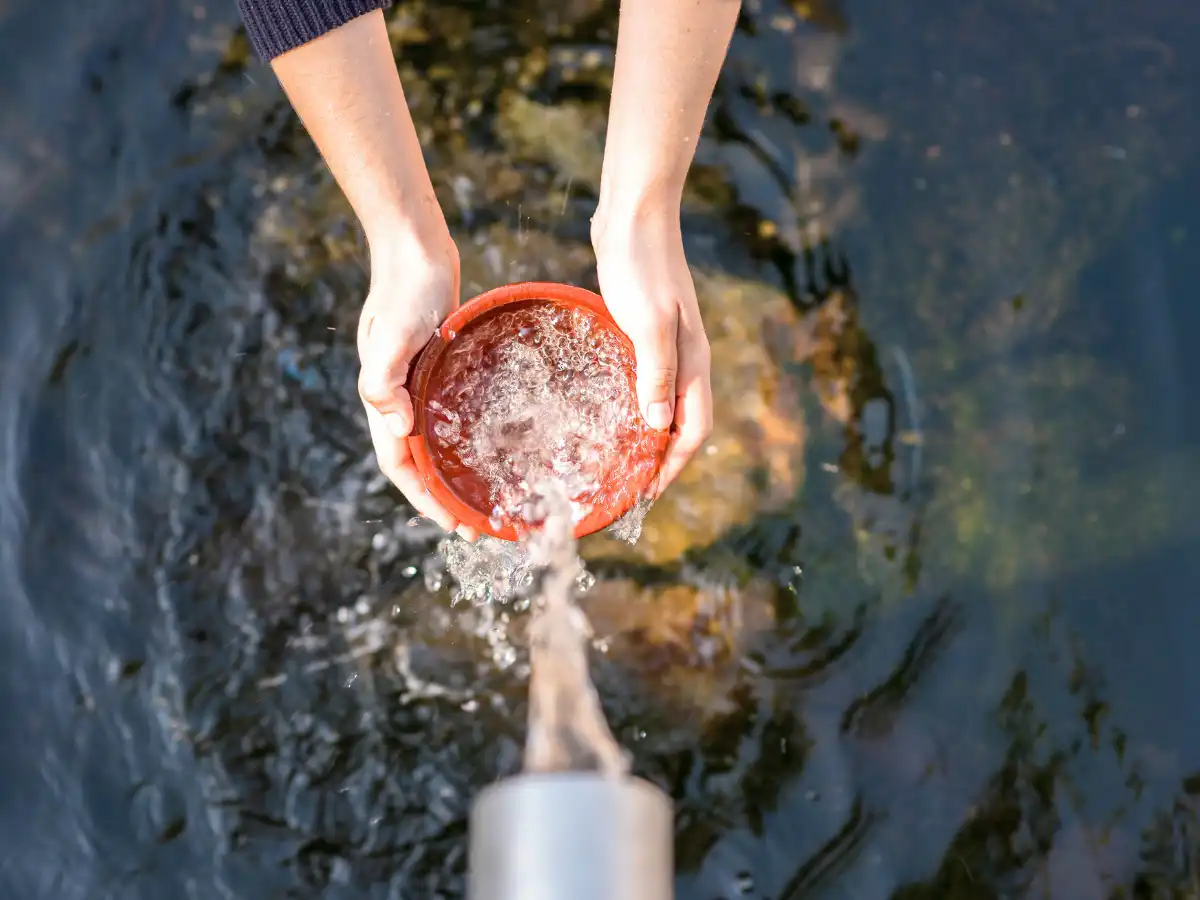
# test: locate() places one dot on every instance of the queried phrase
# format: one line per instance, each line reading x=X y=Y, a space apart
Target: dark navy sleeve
x=276 y=26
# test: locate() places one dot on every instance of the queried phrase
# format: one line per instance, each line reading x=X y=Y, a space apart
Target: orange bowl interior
x=464 y=493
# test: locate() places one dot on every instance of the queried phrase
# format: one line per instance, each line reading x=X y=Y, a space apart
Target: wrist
x=414 y=233
x=395 y=211
x=403 y=245
x=622 y=220
x=628 y=192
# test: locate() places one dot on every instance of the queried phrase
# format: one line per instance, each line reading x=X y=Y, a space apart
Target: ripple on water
x=234 y=670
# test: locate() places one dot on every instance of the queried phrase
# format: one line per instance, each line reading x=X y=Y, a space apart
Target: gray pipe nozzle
x=571 y=836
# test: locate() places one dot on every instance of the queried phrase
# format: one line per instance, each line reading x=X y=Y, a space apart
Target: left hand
x=414 y=286
x=648 y=288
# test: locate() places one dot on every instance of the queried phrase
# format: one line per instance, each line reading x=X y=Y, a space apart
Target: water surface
x=920 y=626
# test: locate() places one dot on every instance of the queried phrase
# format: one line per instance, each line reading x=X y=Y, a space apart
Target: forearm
x=669 y=54
x=347 y=92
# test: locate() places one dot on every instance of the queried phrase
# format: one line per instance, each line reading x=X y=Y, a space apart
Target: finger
x=396 y=462
x=693 y=408
x=693 y=419
x=389 y=399
x=654 y=344
x=387 y=345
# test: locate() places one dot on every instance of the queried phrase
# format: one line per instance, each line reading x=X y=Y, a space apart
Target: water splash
x=628 y=528
x=491 y=571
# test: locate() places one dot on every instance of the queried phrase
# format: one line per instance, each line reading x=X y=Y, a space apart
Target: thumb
x=655 y=348
x=387 y=349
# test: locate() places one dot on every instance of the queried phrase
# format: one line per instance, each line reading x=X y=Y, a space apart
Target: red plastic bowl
x=464 y=496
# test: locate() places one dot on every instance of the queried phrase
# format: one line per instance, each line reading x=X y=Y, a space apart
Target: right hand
x=413 y=289
x=648 y=288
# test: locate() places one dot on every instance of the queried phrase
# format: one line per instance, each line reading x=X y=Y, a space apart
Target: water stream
x=567 y=728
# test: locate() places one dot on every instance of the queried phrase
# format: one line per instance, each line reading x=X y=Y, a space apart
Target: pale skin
x=346 y=89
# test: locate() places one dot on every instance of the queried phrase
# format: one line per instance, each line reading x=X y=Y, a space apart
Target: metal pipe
x=571 y=836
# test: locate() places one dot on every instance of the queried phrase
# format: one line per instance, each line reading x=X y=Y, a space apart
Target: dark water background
x=222 y=672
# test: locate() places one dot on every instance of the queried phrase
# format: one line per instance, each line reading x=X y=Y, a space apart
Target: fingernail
x=397 y=424
x=658 y=415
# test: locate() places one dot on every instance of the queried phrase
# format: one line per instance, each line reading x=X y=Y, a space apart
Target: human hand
x=646 y=284
x=413 y=289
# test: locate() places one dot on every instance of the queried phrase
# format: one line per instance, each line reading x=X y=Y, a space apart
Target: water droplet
x=434 y=576
x=504 y=657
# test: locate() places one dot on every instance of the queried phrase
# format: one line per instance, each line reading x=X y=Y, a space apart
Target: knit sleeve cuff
x=277 y=26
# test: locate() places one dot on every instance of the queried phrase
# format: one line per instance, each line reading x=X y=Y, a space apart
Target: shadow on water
x=916 y=626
